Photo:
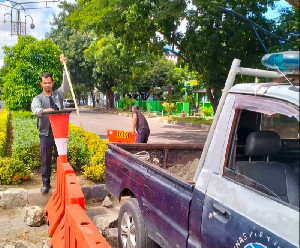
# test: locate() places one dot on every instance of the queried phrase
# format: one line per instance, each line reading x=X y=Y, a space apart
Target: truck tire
x=131 y=227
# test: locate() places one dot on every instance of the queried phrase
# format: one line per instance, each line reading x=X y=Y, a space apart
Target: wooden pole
x=73 y=95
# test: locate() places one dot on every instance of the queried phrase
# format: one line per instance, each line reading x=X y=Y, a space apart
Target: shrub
x=207 y=111
x=13 y=171
x=96 y=167
x=127 y=103
x=168 y=107
x=26 y=146
x=78 y=153
x=4 y=122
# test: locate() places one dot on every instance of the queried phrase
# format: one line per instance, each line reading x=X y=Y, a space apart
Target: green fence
x=156 y=106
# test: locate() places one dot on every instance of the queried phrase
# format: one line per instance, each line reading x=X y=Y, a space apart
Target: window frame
x=228 y=171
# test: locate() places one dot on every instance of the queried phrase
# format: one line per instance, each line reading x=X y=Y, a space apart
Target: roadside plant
x=13 y=171
x=95 y=170
x=127 y=103
x=169 y=106
x=78 y=153
x=207 y=111
x=4 y=121
x=26 y=142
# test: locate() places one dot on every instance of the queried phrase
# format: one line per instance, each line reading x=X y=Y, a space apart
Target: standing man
x=139 y=125
x=48 y=101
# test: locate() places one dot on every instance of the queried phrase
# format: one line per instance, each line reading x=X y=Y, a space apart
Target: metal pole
x=18 y=23
x=259 y=73
x=229 y=83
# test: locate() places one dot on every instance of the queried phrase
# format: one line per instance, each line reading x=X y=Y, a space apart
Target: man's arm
x=134 y=119
x=36 y=107
x=64 y=88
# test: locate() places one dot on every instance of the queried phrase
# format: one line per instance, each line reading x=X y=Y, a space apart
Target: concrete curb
x=20 y=197
x=186 y=124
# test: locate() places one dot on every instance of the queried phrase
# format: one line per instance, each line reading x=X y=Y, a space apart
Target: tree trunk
x=110 y=99
x=212 y=98
x=93 y=98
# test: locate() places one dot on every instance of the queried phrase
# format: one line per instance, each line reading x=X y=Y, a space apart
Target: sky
x=42 y=18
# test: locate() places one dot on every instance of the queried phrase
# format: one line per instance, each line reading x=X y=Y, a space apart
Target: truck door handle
x=221 y=213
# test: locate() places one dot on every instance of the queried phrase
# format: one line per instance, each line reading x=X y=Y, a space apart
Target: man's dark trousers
x=46 y=144
x=142 y=136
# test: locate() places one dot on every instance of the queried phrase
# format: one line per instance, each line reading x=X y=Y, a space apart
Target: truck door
x=253 y=200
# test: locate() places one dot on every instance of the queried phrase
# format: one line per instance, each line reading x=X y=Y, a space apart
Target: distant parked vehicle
x=68 y=103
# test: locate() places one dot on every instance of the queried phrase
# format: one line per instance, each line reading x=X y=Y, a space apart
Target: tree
x=24 y=63
x=73 y=43
x=288 y=26
x=213 y=38
x=112 y=64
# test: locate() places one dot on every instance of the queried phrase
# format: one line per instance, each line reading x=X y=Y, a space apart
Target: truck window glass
x=264 y=150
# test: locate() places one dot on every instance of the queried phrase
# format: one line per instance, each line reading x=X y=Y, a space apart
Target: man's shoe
x=45 y=189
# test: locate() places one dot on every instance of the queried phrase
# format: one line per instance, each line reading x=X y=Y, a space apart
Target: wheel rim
x=128 y=236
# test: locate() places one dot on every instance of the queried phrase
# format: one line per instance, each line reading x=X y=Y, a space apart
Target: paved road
x=98 y=122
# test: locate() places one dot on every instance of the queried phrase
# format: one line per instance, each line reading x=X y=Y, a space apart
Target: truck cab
x=249 y=184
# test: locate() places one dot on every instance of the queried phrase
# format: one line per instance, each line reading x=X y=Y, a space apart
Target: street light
x=32 y=26
x=18 y=27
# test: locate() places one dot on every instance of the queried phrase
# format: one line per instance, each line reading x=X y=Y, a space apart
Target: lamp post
x=17 y=23
x=17 y=26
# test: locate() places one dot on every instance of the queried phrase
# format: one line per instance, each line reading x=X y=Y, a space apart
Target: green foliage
x=25 y=62
x=4 y=122
x=168 y=107
x=96 y=167
x=78 y=153
x=26 y=144
x=74 y=42
x=213 y=38
x=196 y=120
x=87 y=153
x=207 y=111
x=187 y=98
x=149 y=107
x=127 y=103
x=13 y=171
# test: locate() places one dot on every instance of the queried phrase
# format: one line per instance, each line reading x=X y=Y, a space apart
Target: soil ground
x=13 y=228
x=35 y=180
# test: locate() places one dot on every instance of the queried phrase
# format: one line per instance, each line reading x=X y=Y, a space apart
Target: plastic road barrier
x=119 y=136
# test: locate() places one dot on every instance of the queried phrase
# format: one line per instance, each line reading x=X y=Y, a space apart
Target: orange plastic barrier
x=80 y=231
x=73 y=195
x=118 y=136
x=55 y=207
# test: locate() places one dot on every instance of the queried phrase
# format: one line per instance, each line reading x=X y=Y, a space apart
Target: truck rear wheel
x=131 y=227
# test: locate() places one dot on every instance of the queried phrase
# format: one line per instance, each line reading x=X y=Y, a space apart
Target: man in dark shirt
x=139 y=125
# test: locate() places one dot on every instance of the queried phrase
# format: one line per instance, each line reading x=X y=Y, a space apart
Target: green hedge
x=85 y=152
x=4 y=121
x=13 y=171
x=26 y=144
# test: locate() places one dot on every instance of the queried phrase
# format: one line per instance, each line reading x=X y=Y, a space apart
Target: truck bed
x=180 y=160
x=164 y=198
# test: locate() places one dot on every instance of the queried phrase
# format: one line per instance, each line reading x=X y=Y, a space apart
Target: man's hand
x=47 y=110
x=62 y=58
